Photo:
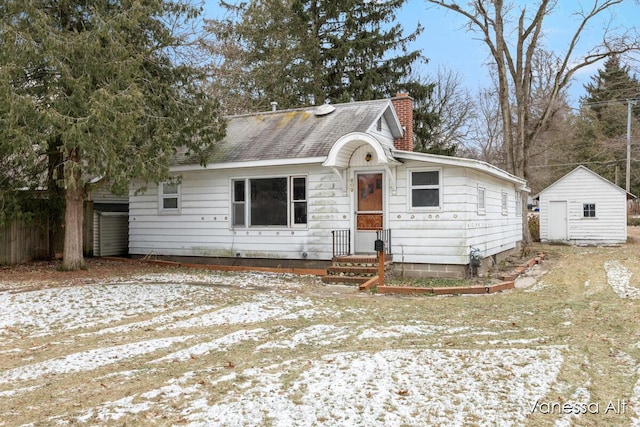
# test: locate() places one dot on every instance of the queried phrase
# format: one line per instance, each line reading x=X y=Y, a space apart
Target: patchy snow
x=390 y=388
x=317 y=335
x=401 y=385
x=215 y=345
x=618 y=278
x=87 y=360
x=36 y=313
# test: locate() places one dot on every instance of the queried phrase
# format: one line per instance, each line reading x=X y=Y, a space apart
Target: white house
x=583 y=208
x=308 y=184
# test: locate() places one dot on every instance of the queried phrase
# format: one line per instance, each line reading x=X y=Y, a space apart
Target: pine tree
x=308 y=52
x=607 y=95
x=602 y=124
x=99 y=89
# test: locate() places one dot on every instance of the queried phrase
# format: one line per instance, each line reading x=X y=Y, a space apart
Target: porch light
x=368 y=157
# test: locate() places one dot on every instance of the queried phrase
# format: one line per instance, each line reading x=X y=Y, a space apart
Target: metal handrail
x=341 y=242
x=385 y=236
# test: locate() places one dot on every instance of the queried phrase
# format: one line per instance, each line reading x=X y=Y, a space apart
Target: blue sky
x=448 y=45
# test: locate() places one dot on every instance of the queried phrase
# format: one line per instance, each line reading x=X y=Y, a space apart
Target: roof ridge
x=309 y=107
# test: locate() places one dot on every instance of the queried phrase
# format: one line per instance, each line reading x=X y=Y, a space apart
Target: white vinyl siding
x=603 y=199
x=444 y=236
x=204 y=227
x=436 y=236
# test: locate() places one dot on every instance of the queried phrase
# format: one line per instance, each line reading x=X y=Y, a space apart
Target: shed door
x=558 y=220
x=369 y=211
x=113 y=234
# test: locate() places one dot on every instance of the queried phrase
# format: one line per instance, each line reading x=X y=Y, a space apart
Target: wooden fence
x=22 y=241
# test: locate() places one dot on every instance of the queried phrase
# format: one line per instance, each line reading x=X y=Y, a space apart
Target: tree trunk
x=74 y=197
x=55 y=174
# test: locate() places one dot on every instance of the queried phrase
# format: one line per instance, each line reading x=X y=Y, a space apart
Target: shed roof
x=293 y=134
x=586 y=169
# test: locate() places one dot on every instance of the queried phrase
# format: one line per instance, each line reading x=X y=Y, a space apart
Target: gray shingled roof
x=288 y=134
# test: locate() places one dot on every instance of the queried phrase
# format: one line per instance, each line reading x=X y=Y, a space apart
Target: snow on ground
x=37 y=313
x=389 y=387
x=618 y=278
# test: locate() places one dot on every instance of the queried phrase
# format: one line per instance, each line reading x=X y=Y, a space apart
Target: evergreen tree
x=601 y=128
x=607 y=95
x=99 y=89
x=308 y=52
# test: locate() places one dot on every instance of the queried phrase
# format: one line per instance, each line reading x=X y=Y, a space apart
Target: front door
x=369 y=212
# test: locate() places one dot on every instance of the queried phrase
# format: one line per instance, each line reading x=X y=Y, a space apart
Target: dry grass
x=571 y=308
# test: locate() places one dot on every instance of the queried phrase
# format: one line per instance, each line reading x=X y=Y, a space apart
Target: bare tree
x=453 y=105
x=513 y=37
x=485 y=140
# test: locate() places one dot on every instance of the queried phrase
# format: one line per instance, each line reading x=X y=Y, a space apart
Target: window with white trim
x=505 y=203
x=269 y=202
x=238 y=203
x=424 y=188
x=589 y=210
x=482 y=200
x=169 y=197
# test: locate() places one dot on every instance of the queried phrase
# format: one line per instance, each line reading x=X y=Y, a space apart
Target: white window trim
x=595 y=211
x=410 y=188
x=234 y=203
x=292 y=201
x=247 y=203
x=504 y=202
x=482 y=200
x=161 y=197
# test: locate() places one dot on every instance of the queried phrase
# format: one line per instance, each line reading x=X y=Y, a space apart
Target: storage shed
x=110 y=224
x=583 y=208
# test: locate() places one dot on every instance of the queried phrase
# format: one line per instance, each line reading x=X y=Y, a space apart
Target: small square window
x=425 y=189
x=589 y=210
x=169 y=197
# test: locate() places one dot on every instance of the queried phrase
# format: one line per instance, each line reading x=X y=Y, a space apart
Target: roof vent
x=324 y=109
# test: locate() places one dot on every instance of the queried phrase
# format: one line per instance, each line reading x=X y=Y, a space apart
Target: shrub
x=534 y=227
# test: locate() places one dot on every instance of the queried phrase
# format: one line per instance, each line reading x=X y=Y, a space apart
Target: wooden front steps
x=354 y=269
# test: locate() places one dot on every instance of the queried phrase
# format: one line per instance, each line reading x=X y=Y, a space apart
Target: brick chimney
x=403 y=104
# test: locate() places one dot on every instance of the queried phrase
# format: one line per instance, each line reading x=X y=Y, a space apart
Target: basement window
x=589 y=210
